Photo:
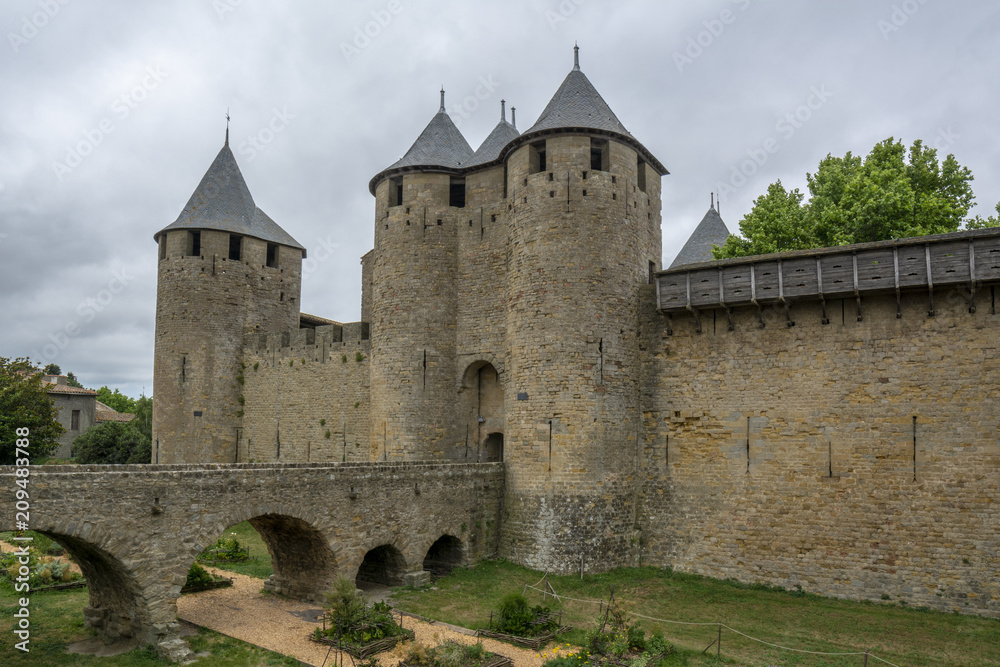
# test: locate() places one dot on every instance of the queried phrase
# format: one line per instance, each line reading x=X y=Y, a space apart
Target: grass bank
x=906 y=637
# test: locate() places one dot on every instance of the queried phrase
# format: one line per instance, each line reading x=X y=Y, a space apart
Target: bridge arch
x=303 y=560
x=446 y=553
x=123 y=601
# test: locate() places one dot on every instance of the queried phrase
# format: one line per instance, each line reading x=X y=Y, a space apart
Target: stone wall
x=853 y=459
x=306 y=396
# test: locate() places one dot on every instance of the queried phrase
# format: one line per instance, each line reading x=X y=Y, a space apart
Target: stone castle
x=827 y=419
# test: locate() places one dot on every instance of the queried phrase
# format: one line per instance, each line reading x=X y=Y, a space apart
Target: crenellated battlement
x=289 y=343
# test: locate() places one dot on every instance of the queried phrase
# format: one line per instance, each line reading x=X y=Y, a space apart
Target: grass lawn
x=906 y=637
x=259 y=564
x=57 y=620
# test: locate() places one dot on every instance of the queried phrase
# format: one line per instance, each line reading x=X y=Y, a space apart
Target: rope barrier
x=787 y=648
x=779 y=646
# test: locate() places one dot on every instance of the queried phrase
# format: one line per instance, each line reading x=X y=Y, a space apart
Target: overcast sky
x=112 y=111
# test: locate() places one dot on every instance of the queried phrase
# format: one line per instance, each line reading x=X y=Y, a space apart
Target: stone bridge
x=136 y=529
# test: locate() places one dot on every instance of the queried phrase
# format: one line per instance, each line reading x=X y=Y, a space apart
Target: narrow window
x=281 y=296
x=163 y=246
x=396 y=191
x=75 y=421
x=235 y=247
x=640 y=174
x=652 y=272
x=599 y=158
x=272 y=255
x=536 y=158
x=456 y=196
x=194 y=244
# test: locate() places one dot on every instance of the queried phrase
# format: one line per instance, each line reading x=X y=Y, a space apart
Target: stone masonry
x=136 y=529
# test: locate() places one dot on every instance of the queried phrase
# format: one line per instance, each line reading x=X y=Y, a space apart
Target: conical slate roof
x=578 y=104
x=490 y=149
x=222 y=202
x=439 y=145
x=698 y=248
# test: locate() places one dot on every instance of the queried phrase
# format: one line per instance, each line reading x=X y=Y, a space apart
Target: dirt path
x=283 y=625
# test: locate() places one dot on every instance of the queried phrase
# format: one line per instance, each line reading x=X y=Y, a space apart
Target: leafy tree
x=111 y=442
x=72 y=381
x=853 y=200
x=116 y=400
x=24 y=403
x=982 y=223
x=144 y=416
x=52 y=369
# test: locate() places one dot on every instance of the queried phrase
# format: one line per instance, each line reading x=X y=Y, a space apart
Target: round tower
x=583 y=236
x=224 y=267
x=419 y=203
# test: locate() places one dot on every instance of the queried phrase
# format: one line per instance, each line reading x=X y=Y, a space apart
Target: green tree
x=52 y=369
x=983 y=223
x=888 y=194
x=144 y=416
x=24 y=403
x=116 y=400
x=72 y=381
x=111 y=442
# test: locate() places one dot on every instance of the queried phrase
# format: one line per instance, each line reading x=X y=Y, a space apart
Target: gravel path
x=283 y=625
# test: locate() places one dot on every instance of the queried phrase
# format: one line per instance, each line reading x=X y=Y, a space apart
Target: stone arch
x=304 y=564
x=119 y=602
x=481 y=405
x=384 y=564
x=492 y=449
x=445 y=554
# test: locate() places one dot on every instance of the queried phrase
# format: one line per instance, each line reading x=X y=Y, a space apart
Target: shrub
x=515 y=617
x=447 y=654
x=355 y=621
x=198 y=576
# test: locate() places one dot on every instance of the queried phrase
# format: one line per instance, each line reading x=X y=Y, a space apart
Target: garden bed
x=533 y=643
x=60 y=587
x=496 y=660
x=362 y=651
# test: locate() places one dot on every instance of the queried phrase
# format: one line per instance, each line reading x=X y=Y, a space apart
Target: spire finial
x=576 y=57
x=441 y=110
x=513 y=118
x=503 y=112
x=713 y=200
x=227 y=126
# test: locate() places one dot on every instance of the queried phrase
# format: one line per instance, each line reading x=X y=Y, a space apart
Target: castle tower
x=583 y=238
x=224 y=266
x=419 y=201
